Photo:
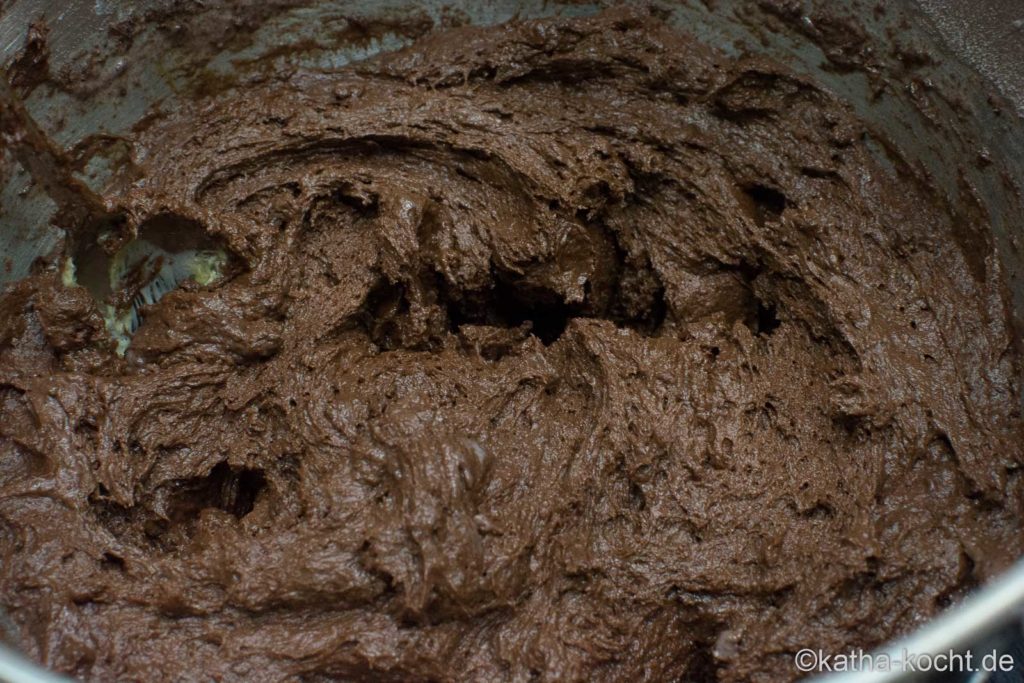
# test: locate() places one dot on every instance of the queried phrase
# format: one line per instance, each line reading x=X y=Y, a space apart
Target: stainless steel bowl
x=122 y=65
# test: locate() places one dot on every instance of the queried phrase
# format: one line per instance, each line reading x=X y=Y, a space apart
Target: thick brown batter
x=568 y=350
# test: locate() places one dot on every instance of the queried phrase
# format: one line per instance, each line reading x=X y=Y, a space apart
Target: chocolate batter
x=563 y=350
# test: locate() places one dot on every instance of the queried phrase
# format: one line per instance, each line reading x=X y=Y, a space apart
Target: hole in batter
x=511 y=305
x=766 y=317
x=762 y=316
x=416 y=314
x=229 y=489
x=768 y=203
x=110 y=561
x=168 y=250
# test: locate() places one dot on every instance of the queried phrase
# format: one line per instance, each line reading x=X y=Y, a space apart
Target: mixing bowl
x=938 y=79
